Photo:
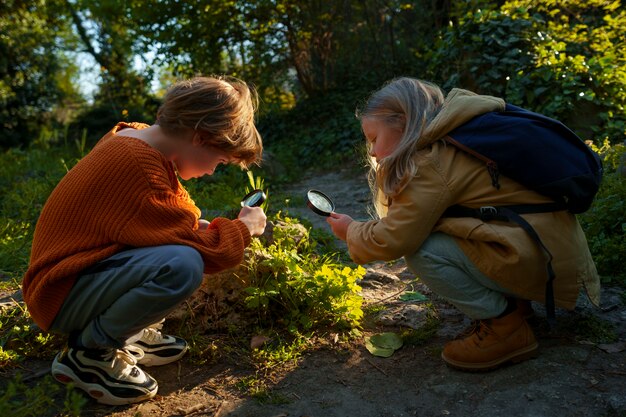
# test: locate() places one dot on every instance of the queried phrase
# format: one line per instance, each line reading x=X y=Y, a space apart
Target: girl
x=489 y=271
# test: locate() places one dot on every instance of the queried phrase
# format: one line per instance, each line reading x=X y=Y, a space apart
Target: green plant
x=416 y=337
x=605 y=222
x=258 y=183
x=220 y=194
x=280 y=351
x=41 y=399
x=19 y=339
x=257 y=388
x=26 y=180
x=591 y=328
x=563 y=59
x=292 y=285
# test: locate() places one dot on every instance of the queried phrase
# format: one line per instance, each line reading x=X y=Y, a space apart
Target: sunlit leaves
x=292 y=285
x=566 y=59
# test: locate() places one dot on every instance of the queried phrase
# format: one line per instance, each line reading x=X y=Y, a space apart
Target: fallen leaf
x=387 y=340
x=378 y=351
x=383 y=344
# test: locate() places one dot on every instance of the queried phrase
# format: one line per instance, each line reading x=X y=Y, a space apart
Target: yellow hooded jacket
x=502 y=251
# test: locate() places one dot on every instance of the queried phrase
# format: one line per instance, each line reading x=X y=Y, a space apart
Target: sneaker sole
x=66 y=375
x=520 y=355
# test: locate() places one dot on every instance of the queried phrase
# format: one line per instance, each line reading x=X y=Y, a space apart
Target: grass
x=291 y=316
x=45 y=398
x=29 y=178
x=589 y=328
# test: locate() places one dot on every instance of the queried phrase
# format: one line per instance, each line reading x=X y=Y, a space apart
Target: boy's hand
x=339 y=224
x=254 y=219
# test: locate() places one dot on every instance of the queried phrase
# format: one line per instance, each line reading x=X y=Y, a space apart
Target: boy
x=119 y=243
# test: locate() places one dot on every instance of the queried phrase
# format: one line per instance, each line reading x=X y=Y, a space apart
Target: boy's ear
x=196 y=139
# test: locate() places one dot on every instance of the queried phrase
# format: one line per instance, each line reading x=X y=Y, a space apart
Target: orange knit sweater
x=123 y=194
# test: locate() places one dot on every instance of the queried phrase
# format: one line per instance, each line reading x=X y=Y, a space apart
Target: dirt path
x=572 y=376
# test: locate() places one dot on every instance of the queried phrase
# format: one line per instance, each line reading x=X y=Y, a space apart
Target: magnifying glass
x=320 y=203
x=253 y=199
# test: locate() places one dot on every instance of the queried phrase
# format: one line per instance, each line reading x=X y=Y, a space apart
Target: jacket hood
x=459 y=107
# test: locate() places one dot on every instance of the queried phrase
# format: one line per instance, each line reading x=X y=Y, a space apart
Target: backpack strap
x=492 y=166
x=513 y=214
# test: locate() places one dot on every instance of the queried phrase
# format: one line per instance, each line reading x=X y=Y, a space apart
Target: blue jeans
x=114 y=300
x=446 y=270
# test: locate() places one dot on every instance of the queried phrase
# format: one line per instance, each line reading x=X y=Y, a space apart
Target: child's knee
x=436 y=253
x=187 y=267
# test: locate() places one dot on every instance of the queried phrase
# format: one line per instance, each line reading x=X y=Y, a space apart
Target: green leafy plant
x=41 y=399
x=19 y=339
x=565 y=60
x=605 y=222
x=258 y=183
x=292 y=285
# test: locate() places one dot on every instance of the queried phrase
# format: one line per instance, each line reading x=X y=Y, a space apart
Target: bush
x=564 y=60
x=293 y=286
x=605 y=222
x=26 y=182
x=318 y=133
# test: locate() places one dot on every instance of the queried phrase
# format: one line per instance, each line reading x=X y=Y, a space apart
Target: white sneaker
x=110 y=376
x=154 y=348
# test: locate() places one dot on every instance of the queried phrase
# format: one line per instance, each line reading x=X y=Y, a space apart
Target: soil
x=574 y=374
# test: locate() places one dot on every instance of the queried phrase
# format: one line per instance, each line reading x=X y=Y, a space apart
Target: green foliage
x=27 y=179
x=293 y=286
x=589 y=328
x=19 y=339
x=287 y=45
x=566 y=60
x=35 y=75
x=605 y=222
x=21 y=400
x=319 y=132
x=258 y=183
x=221 y=193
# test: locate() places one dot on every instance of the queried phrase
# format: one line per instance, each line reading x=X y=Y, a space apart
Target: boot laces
x=483 y=329
x=469 y=330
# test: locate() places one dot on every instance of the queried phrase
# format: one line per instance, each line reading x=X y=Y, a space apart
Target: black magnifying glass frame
x=319 y=202
x=253 y=199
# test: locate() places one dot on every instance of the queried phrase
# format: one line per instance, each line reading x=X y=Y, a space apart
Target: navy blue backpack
x=538 y=152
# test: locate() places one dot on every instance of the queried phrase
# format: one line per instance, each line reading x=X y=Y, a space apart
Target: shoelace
x=483 y=329
x=136 y=351
x=151 y=334
x=472 y=328
x=479 y=327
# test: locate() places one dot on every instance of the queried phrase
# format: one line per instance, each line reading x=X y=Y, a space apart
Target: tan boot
x=493 y=343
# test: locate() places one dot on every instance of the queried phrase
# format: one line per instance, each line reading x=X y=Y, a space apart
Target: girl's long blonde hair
x=407 y=104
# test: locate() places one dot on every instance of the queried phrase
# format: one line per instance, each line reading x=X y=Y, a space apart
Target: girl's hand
x=254 y=219
x=339 y=224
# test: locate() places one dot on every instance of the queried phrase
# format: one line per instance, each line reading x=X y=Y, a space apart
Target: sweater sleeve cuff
x=245 y=232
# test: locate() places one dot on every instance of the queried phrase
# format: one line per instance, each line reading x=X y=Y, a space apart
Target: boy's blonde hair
x=220 y=110
x=407 y=104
